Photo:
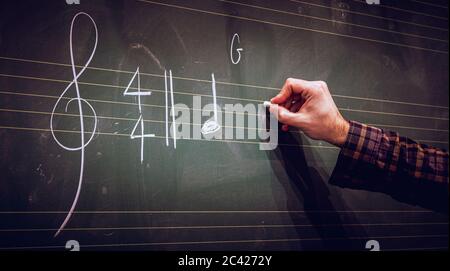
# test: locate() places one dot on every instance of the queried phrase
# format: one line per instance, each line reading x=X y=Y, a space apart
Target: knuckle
x=322 y=85
x=290 y=81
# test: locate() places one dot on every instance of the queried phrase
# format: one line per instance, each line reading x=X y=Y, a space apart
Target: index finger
x=290 y=86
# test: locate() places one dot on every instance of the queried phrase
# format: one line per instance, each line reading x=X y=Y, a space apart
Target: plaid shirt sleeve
x=378 y=160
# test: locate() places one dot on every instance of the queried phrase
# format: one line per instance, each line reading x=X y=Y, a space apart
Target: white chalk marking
x=141 y=136
x=80 y=111
x=214 y=96
x=212 y=125
x=137 y=93
x=167 y=108
x=173 y=111
x=140 y=121
x=235 y=36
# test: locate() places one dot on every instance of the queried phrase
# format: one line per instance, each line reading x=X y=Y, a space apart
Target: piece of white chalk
x=267 y=104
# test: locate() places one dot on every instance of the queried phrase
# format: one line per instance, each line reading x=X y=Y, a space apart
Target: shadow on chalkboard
x=308 y=184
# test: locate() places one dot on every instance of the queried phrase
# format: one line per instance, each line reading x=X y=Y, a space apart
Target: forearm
x=382 y=161
x=370 y=158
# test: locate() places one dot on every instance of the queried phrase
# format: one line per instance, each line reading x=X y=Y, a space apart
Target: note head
x=210 y=127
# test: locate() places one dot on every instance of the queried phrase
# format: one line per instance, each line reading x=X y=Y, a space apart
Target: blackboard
x=386 y=65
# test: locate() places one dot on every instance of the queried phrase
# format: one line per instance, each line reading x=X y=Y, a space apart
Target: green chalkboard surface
x=87 y=147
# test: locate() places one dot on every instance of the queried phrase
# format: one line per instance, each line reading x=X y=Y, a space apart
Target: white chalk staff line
x=234 y=241
x=112 y=212
x=334 y=21
x=190 y=123
x=158 y=121
x=194 y=109
x=222 y=97
x=196 y=80
x=372 y=16
x=363 y=2
x=203 y=227
x=296 y=27
x=325 y=146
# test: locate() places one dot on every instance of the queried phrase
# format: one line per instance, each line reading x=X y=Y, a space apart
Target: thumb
x=284 y=115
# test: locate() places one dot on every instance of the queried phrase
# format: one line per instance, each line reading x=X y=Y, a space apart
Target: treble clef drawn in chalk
x=212 y=125
x=80 y=101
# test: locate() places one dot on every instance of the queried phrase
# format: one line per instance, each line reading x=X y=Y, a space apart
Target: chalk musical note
x=212 y=125
x=79 y=100
x=140 y=121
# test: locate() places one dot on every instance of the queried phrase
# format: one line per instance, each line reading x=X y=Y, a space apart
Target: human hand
x=308 y=105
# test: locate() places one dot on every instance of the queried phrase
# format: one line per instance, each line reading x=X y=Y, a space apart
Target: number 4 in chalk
x=141 y=136
x=140 y=121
